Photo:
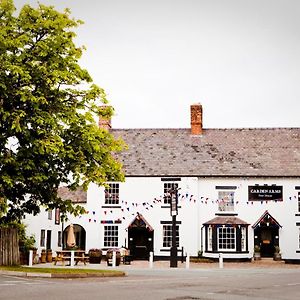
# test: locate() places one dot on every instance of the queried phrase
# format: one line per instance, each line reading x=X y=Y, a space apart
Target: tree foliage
x=48 y=106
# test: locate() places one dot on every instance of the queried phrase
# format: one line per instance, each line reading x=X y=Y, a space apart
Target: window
x=59 y=239
x=299 y=202
x=243 y=239
x=167 y=187
x=50 y=214
x=209 y=237
x=57 y=216
x=111 y=236
x=43 y=236
x=226 y=238
x=226 y=200
x=167 y=235
x=112 y=194
x=299 y=238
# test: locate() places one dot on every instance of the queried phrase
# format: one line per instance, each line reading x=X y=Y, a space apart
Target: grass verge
x=100 y=273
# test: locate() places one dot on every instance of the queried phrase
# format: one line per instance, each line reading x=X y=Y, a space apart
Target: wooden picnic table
x=65 y=255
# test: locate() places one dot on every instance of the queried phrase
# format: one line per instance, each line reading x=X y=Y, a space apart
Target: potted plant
x=109 y=255
x=277 y=254
x=43 y=256
x=49 y=255
x=257 y=252
x=95 y=256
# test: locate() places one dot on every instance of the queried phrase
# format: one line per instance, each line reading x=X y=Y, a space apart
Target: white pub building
x=236 y=188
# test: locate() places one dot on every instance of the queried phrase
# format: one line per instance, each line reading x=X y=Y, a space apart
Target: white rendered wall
x=193 y=212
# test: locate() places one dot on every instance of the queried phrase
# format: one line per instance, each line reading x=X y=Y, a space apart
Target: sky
x=154 y=58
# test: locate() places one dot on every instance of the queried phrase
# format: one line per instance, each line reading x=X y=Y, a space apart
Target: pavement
x=142 y=265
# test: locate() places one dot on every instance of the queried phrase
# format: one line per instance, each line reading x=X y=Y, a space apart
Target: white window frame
x=111 y=236
x=167 y=236
x=209 y=238
x=226 y=200
x=43 y=238
x=167 y=187
x=226 y=237
x=243 y=238
x=112 y=193
x=50 y=214
x=298 y=201
x=299 y=238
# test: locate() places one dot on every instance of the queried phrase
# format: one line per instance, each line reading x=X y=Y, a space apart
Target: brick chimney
x=105 y=121
x=196 y=119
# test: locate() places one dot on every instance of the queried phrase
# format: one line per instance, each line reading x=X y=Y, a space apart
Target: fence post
x=114 y=258
x=72 y=262
x=187 y=261
x=151 y=260
x=30 y=258
x=221 y=260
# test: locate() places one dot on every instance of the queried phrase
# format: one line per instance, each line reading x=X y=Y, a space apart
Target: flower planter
x=49 y=255
x=95 y=256
x=109 y=255
x=43 y=257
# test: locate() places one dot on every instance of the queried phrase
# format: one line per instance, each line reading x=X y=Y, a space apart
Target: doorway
x=267 y=239
x=140 y=238
x=80 y=236
x=266 y=234
x=48 y=240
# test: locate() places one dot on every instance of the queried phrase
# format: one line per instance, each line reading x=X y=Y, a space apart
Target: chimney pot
x=196 y=119
x=104 y=122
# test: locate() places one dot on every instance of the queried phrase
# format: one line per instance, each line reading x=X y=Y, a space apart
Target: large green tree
x=48 y=106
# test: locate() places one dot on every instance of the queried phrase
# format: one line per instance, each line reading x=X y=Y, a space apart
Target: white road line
x=292 y=284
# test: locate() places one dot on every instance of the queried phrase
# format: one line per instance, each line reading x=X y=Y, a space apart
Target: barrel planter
x=43 y=256
x=109 y=255
x=95 y=256
x=49 y=255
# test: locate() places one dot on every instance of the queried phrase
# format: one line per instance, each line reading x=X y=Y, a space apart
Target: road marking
x=291 y=284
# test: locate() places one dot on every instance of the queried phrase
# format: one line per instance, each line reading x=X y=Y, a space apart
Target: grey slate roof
x=77 y=196
x=217 y=152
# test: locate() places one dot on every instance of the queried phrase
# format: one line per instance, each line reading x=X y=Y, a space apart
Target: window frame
x=50 y=214
x=169 y=185
x=112 y=194
x=43 y=238
x=167 y=236
x=226 y=240
x=59 y=238
x=111 y=236
x=209 y=238
x=227 y=205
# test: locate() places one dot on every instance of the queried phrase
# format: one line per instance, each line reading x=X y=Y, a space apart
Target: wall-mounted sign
x=265 y=193
x=174 y=203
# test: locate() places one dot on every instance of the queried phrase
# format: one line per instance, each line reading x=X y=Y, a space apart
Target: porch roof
x=226 y=220
x=266 y=218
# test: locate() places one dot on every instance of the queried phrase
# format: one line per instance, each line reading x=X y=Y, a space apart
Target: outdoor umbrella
x=71 y=242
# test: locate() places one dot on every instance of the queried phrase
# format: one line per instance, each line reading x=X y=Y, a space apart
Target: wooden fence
x=9 y=247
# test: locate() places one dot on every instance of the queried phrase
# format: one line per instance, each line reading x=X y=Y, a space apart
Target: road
x=164 y=284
